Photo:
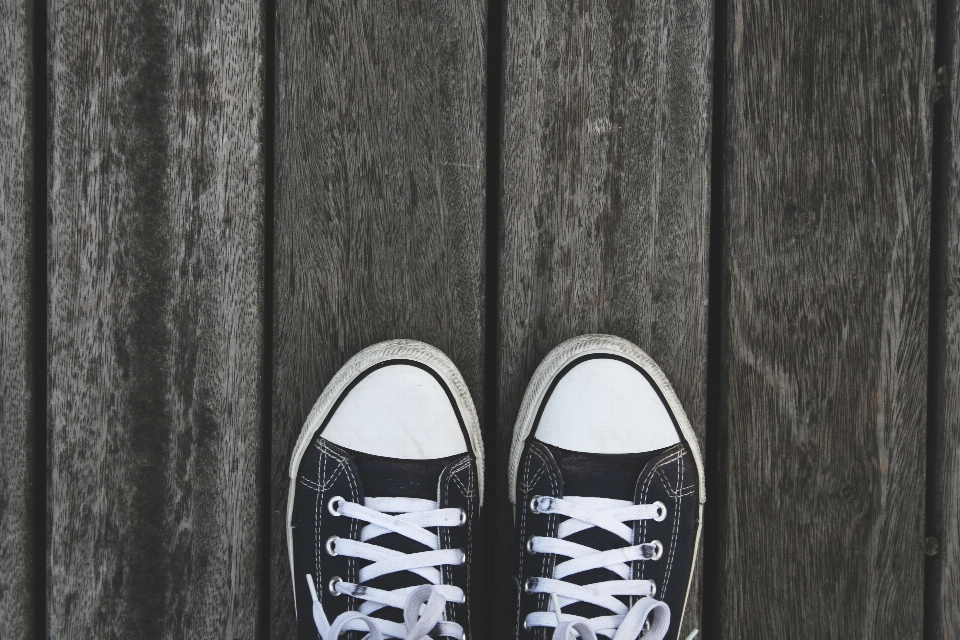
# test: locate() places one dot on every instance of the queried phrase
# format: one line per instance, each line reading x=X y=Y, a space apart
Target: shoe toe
x=397 y=411
x=604 y=405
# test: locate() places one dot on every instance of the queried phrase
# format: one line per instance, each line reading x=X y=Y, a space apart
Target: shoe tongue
x=601 y=475
x=392 y=478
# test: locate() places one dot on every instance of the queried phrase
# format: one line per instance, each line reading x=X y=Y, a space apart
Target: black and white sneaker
x=386 y=485
x=607 y=479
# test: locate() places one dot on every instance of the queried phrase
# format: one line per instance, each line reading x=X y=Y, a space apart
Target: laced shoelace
x=423 y=606
x=647 y=616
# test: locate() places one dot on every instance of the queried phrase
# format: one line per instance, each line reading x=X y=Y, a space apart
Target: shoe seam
x=535 y=479
x=523 y=528
x=318 y=515
x=460 y=466
x=352 y=571
x=549 y=559
x=676 y=528
x=643 y=500
x=445 y=535
x=657 y=471
x=470 y=507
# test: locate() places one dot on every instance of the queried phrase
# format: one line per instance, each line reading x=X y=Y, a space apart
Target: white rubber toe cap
x=604 y=405
x=397 y=411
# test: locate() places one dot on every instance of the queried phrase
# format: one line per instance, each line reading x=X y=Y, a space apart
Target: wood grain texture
x=380 y=204
x=156 y=318
x=826 y=238
x=944 y=476
x=604 y=198
x=16 y=397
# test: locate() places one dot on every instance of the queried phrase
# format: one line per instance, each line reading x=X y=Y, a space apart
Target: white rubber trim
x=566 y=353
x=589 y=344
x=375 y=354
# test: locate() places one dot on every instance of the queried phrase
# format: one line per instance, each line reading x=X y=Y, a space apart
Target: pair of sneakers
x=387 y=481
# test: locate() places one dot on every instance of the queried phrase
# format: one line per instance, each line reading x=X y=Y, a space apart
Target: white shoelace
x=423 y=606
x=648 y=616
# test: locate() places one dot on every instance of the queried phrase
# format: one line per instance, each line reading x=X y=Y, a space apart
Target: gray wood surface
x=826 y=236
x=156 y=318
x=380 y=131
x=16 y=210
x=944 y=599
x=605 y=199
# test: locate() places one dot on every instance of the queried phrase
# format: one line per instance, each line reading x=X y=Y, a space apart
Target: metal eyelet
x=661 y=511
x=463 y=557
x=332 y=585
x=533 y=504
x=530 y=585
x=530 y=545
x=653 y=588
x=659 y=547
x=463 y=519
x=331 y=545
x=525 y=624
x=330 y=505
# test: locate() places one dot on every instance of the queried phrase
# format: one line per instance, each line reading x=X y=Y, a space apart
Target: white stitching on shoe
x=445 y=535
x=553 y=521
x=643 y=496
x=666 y=483
x=309 y=484
x=465 y=490
x=469 y=538
x=533 y=481
x=342 y=465
x=327 y=483
x=523 y=537
x=676 y=529
x=317 y=515
x=446 y=572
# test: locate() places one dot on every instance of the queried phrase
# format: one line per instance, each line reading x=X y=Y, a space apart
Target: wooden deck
x=209 y=206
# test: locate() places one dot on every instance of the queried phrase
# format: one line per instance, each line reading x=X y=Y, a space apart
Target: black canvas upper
x=668 y=476
x=327 y=471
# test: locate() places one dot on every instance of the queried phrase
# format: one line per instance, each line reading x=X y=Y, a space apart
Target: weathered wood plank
x=945 y=411
x=826 y=236
x=156 y=318
x=380 y=203
x=16 y=397
x=605 y=197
